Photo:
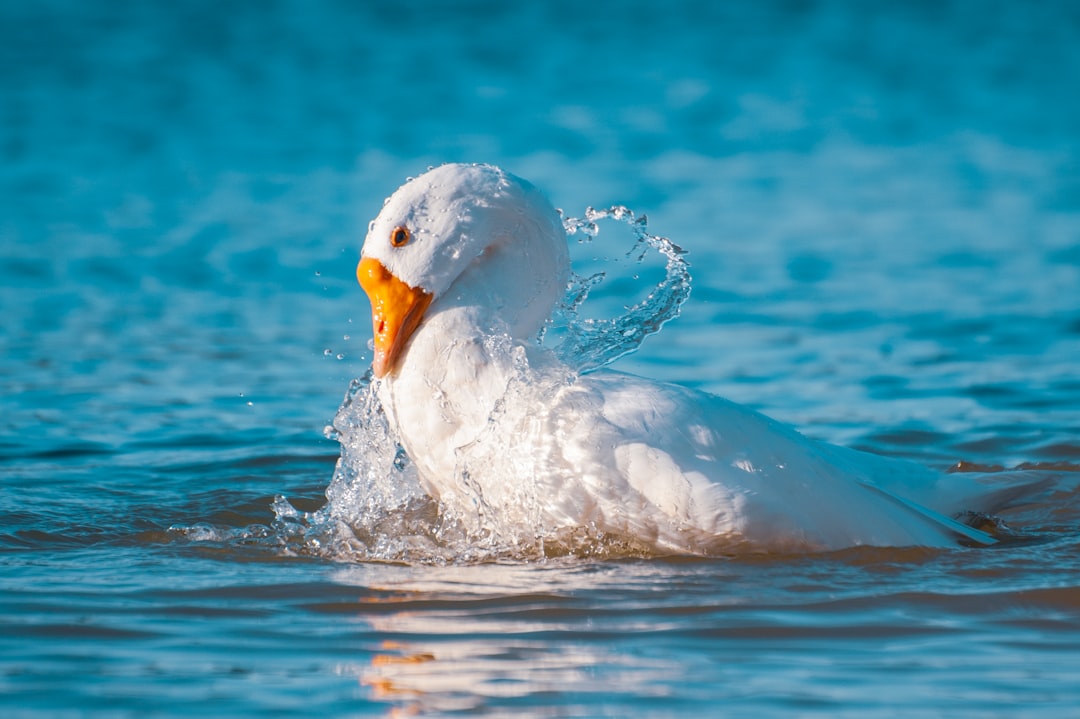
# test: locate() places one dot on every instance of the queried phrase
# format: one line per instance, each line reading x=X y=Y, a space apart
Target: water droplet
x=327 y=352
x=345 y=337
x=340 y=356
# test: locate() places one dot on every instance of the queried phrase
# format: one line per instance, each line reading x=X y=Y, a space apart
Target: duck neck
x=475 y=339
x=448 y=385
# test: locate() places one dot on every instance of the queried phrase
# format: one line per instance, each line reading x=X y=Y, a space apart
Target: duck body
x=497 y=424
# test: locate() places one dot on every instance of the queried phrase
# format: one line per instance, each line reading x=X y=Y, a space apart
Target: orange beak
x=396 y=312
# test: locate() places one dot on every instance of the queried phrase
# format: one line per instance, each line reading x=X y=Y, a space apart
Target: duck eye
x=399 y=236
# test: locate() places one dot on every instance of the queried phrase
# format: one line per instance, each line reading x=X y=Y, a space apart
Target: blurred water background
x=881 y=205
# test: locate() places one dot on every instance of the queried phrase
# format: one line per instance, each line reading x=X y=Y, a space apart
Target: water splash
x=377 y=510
x=591 y=343
x=376 y=506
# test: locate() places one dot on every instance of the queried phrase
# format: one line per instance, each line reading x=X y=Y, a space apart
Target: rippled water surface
x=881 y=212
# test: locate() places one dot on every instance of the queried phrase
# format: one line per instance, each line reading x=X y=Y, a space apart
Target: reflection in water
x=469 y=635
x=465 y=675
x=460 y=666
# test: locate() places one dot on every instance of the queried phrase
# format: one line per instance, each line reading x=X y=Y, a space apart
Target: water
x=882 y=218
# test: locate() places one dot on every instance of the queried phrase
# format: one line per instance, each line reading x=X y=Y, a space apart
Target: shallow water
x=882 y=217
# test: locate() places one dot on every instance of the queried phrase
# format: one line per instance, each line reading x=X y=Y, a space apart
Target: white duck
x=463 y=266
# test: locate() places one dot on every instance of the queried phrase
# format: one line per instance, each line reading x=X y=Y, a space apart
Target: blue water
x=881 y=208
